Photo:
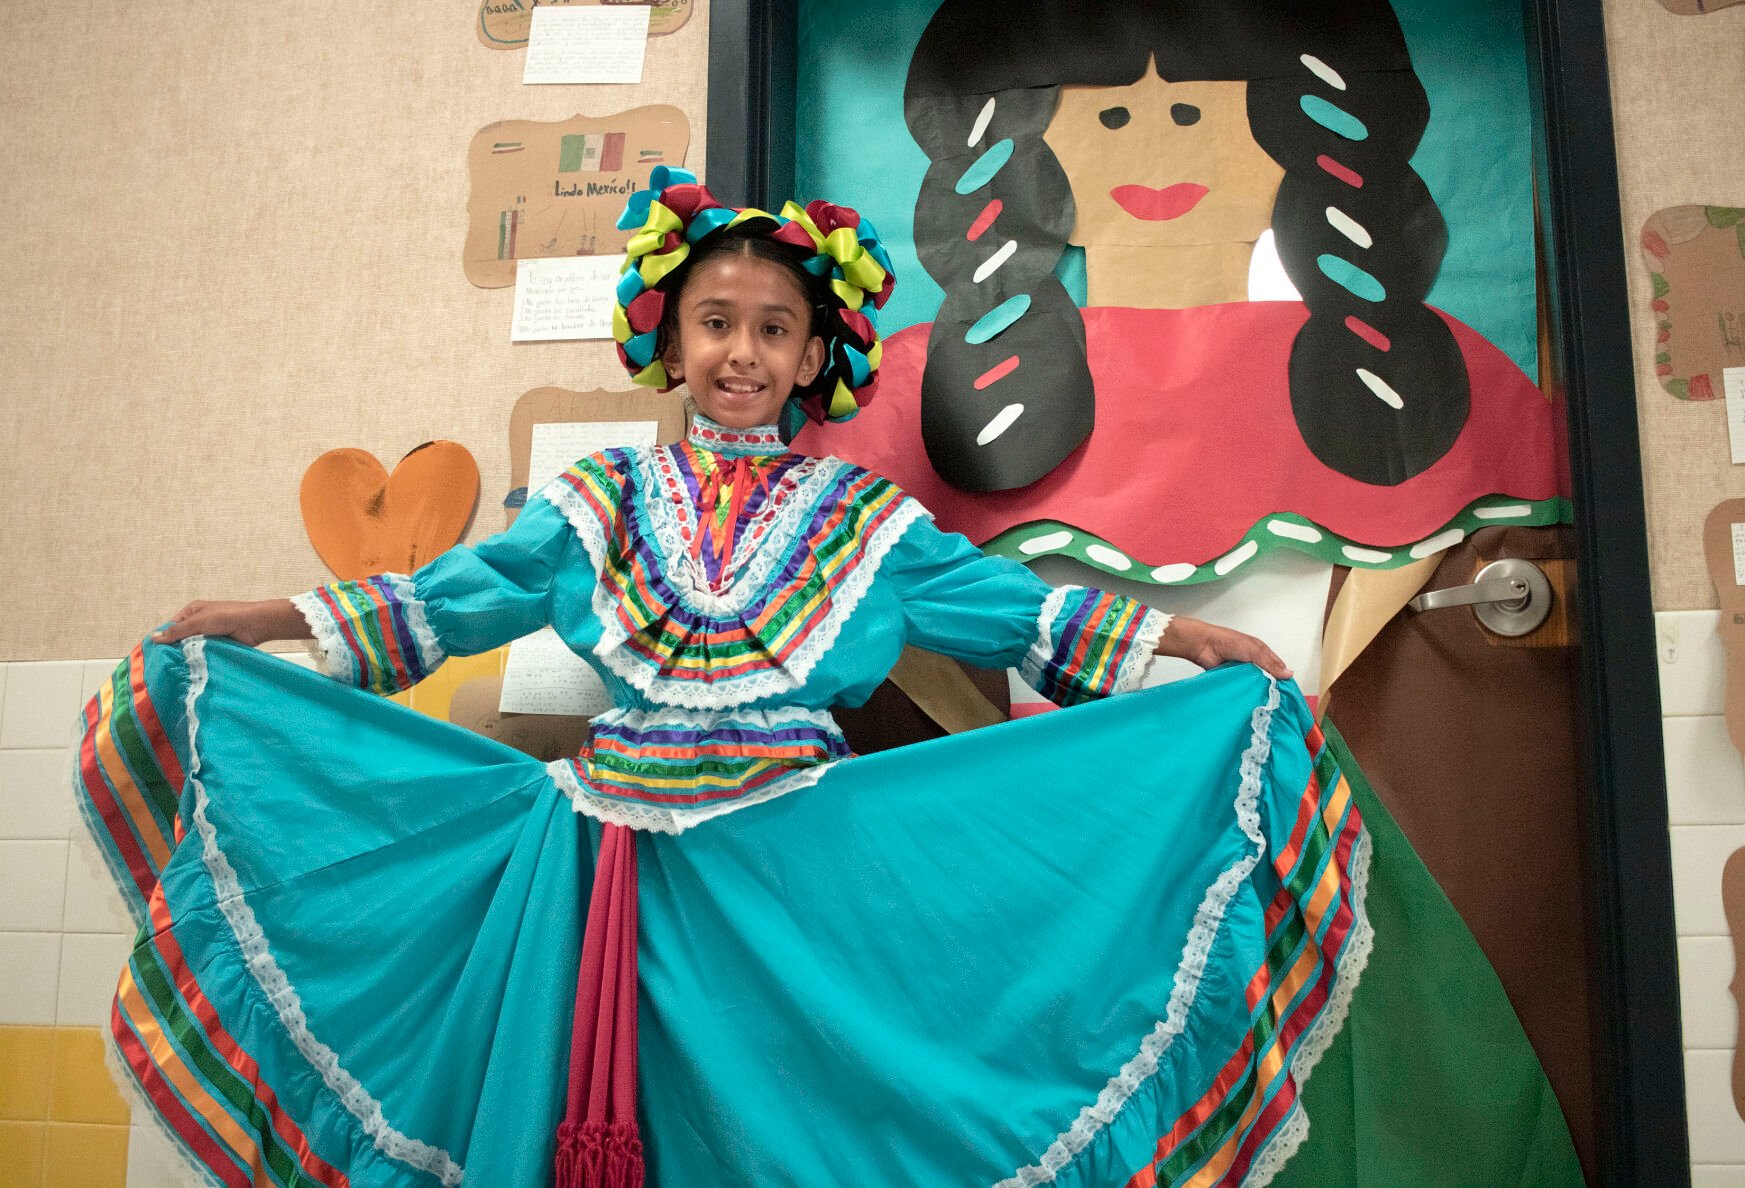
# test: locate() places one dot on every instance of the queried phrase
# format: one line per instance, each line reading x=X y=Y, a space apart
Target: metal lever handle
x=1511 y=592
x=1511 y=597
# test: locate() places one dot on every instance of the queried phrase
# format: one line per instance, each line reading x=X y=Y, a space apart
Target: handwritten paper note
x=575 y=44
x=1734 y=382
x=544 y=677
x=557 y=444
x=564 y=297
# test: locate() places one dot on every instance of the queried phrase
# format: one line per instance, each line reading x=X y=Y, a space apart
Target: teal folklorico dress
x=1097 y=947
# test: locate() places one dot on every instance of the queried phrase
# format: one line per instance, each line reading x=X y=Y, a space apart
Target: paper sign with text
x=565 y=298
x=576 y=44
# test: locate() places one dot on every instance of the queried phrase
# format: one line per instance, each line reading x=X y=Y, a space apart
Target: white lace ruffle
x=1136 y=665
x=1042 y=647
x=92 y=851
x=282 y=996
x=1094 y=1117
x=777 y=718
x=333 y=656
x=655 y=819
x=773 y=682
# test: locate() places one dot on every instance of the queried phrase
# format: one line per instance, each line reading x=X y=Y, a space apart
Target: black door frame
x=1637 y=1046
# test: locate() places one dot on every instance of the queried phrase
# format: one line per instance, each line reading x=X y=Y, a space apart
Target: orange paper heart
x=362 y=520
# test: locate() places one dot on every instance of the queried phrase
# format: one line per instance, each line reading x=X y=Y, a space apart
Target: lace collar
x=760 y=441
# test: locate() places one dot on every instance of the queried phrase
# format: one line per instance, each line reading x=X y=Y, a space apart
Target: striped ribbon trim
x=1310 y=921
x=675 y=765
x=372 y=633
x=128 y=781
x=206 y=1089
x=728 y=655
x=1096 y=644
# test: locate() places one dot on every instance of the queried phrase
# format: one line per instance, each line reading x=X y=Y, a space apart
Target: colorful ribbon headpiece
x=676 y=213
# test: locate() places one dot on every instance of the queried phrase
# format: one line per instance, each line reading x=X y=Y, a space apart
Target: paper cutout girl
x=1177 y=419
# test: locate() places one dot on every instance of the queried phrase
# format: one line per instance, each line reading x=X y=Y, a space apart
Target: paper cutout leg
x=1724 y=525
x=1432 y=1082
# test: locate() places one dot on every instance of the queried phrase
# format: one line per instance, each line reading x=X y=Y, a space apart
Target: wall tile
x=85 y=1156
x=1698 y=853
x=35 y=801
x=90 y=966
x=81 y=1090
x=33 y=885
x=1706 y=1006
x=26 y=1056
x=152 y=1161
x=1717 y=1134
x=30 y=969
x=92 y=903
x=1692 y=662
x=94 y=676
x=1702 y=1175
x=21 y=1150
x=41 y=699
x=1705 y=778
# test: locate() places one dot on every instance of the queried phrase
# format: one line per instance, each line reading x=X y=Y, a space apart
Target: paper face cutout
x=1696 y=263
x=503 y=24
x=1168 y=132
x=362 y=520
x=556 y=189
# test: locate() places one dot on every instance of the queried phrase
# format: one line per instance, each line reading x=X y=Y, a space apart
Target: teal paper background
x=853 y=148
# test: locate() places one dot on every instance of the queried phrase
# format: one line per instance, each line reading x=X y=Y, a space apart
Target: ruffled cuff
x=371 y=633
x=1090 y=644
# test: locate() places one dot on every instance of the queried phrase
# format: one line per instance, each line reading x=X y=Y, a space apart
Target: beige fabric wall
x=1678 y=98
x=232 y=241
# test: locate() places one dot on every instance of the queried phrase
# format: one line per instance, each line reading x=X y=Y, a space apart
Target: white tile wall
x=1705 y=789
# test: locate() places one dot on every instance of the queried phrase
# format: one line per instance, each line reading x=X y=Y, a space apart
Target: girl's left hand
x=1209 y=645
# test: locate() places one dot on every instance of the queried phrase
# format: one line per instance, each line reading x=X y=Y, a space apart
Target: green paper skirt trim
x=1432 y=1081
x=1053 y=538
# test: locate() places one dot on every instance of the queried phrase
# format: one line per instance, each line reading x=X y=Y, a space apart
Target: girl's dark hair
x=998 y=65
x=756 y=246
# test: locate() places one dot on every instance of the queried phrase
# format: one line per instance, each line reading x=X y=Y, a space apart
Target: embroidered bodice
x=728 y=591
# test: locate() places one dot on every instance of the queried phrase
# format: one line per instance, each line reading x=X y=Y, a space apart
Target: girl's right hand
x=252 y=623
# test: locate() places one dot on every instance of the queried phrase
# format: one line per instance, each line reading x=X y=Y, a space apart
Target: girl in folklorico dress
x=1097 y=947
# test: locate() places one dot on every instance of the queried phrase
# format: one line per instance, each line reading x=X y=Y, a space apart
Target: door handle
x=1510 y=597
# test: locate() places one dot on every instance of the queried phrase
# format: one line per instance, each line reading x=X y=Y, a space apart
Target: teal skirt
x=1096 y=947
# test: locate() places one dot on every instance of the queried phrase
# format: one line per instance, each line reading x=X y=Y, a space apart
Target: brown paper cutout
x=503 y=24
x=1695 y=7
x=543 y=406
x=1724 y=571
x=362 y=520
x=1365 y=603
x=1696 y=264
x=942 y=689
x=541 y=189
x=1733 y=903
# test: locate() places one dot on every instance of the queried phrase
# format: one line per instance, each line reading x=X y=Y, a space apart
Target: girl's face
x=1163 y=164
x=743 y=340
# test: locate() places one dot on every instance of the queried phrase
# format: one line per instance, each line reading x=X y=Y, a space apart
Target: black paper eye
x=1114 y=117
x=1184 y=114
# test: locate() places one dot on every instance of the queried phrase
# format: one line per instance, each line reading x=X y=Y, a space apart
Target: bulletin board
x=222 y=264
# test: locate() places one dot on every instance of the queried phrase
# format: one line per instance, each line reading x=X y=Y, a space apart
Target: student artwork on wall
x=1695 y=7
x=1195 y=281
x=543 y=189
x=363 y=520
x=503 y=24
x=1696 y=264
